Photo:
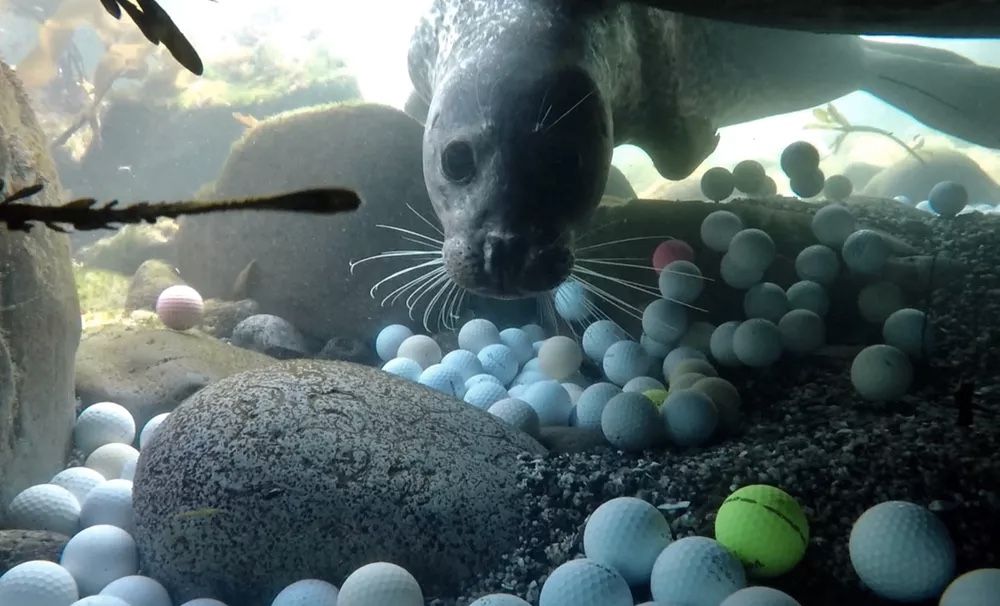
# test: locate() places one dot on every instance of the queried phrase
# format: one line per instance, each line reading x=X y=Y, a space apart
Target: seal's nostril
x=503 y=255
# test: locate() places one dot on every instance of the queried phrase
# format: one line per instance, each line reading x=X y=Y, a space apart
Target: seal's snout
x=507 y=266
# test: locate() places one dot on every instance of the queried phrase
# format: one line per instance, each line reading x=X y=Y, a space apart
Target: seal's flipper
x=416 y=107
x=940 y=89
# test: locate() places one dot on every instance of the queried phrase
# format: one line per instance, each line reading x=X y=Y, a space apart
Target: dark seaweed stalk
x=831 y=119
x=87 y=214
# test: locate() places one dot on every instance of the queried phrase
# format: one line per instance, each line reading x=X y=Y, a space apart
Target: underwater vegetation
x=88 y=214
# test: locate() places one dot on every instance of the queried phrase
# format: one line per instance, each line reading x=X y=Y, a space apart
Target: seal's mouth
x=504 y=266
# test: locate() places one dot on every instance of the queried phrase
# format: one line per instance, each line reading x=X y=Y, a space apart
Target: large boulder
x=150 y=370
x=302 y=269
x=312 y=469
x=910 y=178
x=39 y=312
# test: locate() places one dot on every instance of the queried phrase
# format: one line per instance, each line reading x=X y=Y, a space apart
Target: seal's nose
x=504 y=257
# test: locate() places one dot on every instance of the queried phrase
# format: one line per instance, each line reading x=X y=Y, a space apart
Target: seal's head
x=516 y=157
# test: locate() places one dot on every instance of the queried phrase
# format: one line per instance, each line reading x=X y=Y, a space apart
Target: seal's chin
x=506 y=267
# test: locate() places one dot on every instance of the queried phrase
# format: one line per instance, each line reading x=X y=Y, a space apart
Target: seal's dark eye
x=458 y=162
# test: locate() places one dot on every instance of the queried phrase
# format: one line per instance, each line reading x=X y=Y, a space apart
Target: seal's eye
x=458 y=162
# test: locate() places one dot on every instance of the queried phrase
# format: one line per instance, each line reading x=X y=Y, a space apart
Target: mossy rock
x=126 y=250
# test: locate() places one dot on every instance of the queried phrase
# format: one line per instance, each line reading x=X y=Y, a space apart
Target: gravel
x=806 y=431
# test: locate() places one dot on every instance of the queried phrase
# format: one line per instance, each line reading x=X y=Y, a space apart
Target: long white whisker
x=624 y=241
x=570 y=110
x=444 y=289
x=623 y=259
x=671 y=271
x=426 y=220
x=638 y=286
x=393 y=254
x=393 y=296
x=628 y=308
x=423 y=291
x=431 y=263
x=443 y=313
x=596 y=310
x=456 y=310
x=410 y=232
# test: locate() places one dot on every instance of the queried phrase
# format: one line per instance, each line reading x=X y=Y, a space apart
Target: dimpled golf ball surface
x=78 y=480
x=45 y=507
x=421 y=349
x=798 y=158
x=585 y=582
x=738 y=275
x=499 y=599
x=37 y=583
x=627 y=534
x=624 y=361
x=757 y=342
x=669 y=251
x=599 y=336
x=749 y=176
x=681 y=281
x=832 y=224
x=881 y=373
x=560 y=357
x=679 y=355
x=380 y=584
x=389 y=339
x=695 y=571
x=485 y=394
x=97 y=555
x=802 y=331
x=642 y=385
x=760 y=596
x=717 y=183
x=764 y=527
x=630 y=422
x=109 y=503
x=203 y=602
x=150 y=428
x=807 y=185
x=517 y=413
x=910 y=331
x=718 y=229
x=307 y=592
x=104 y=600
x=721 y=344
x=464 y=362
x=765 y=300
x=838 y=187
x=571 y=301
x=110 y=459
x=807 y=294
x=477 y=334
x=103 y=423
x=551 y=401
x=499 y=361
x=444 y=379
x=690 y=417
x=403 y=367
x=519 y=342
x=902 y=551
x=817 y=263
x=180 y=307
x=948 y=198
x=753 y=249
x=975 y=588
x=665 y=320
x=865 y=252
x=590 y=406
x=138 y=590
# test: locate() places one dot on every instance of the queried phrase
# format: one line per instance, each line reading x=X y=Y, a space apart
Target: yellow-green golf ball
x=656 y=396
x=765 y=528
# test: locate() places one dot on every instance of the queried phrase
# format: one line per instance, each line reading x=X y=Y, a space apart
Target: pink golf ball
x=671 y=250
x=180 y=307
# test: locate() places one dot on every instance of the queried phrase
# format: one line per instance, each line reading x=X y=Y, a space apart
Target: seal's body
x=527 y=99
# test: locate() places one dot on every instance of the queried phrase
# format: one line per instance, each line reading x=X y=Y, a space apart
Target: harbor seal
x=526 y=100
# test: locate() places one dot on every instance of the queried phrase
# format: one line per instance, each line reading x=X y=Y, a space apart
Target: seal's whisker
x=432 y=286
x=442 y=291
x=392 y=254
x=624 y=306
x=539 y=119
x=623 y=241
x=393 y=296
x=638 y=286
x=650 y=267
x=444 y=317
x=410 y=232
x=406 y=270
x=455 y=311
x=571 y=109
x=425 y=220
x=624 y=259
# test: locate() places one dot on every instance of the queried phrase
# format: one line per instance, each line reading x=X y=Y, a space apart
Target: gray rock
x=149 y=371
x=270 y=335
x=313 y=469
x=152 y=278
x=131 y=245
x=39 y=312
x=20 y=546
x=915 y=180
x=349 y=350
x=560 y=440
x=221 y=317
